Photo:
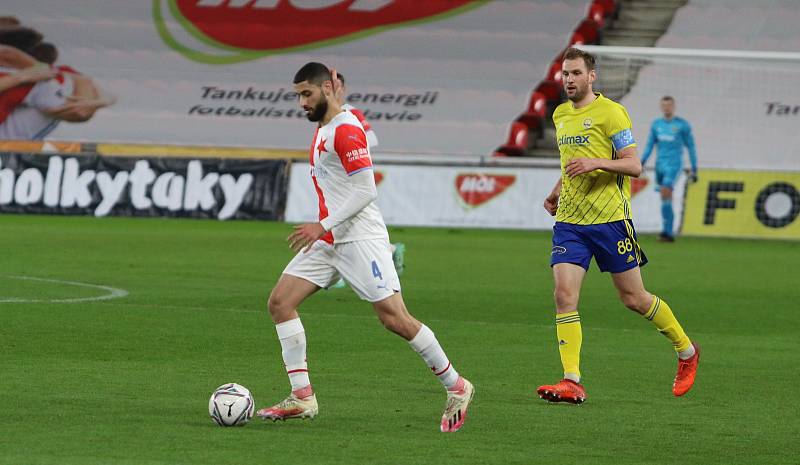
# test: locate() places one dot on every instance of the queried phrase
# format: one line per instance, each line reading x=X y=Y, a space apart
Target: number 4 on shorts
x=376 y=272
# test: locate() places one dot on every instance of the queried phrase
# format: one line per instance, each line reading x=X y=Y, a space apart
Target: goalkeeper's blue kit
x=671 y=136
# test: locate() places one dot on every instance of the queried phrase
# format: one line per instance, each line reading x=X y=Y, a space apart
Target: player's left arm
x=688 y=140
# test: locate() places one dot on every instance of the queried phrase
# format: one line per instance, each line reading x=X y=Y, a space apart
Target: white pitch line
x=113 y=292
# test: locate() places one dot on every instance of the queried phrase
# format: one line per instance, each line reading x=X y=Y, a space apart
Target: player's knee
x=565 y=298
x=638 y=302
x=277 y=305
x=392 y=323
x=399 y=324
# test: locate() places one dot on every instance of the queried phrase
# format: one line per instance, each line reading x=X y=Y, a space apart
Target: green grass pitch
x=127 y=381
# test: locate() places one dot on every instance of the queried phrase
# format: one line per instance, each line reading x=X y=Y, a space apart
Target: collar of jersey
x=587 y=107
x=334 y=118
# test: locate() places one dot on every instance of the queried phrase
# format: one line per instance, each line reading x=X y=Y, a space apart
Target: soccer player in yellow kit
x=591 y=203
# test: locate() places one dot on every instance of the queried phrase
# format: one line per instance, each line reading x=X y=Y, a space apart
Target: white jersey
x=27 y=121
x=340 y=150
x=372 y=138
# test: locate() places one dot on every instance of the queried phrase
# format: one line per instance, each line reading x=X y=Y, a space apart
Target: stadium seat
x=534 y=123
x=597 y=13
x=537 y=104
x=589 y=30
x=609 y=6
x=554 y=73
x=517 y=142
x=551 y=90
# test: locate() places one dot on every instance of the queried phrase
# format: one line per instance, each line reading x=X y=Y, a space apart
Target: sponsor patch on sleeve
x=351 y=145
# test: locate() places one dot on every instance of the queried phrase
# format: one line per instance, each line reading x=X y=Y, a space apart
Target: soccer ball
x=231 y=405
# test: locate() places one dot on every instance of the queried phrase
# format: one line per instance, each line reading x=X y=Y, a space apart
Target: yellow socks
x=661 y=316
x=568 y=329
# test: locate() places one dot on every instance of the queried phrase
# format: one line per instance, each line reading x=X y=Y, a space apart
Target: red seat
x=608 y=5
x=597 y=13
x=554 y=73
x=517 y=142
x=588 y=29
x=537 y=104
x=551 y=90
x=532 y=121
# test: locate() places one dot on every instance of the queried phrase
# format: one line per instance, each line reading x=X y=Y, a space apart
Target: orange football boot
x=687 y=370
x=565 y=391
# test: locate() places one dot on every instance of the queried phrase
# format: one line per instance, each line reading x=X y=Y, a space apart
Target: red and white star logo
x=321 y=146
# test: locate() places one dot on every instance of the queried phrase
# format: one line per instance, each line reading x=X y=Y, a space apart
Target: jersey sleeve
x=351 y=145
x=49 y=94
x=619 y=128
x=361 y=119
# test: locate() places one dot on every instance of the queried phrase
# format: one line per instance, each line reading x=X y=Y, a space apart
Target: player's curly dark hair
x=44 y=52
x=314 y=73
x=23 y=38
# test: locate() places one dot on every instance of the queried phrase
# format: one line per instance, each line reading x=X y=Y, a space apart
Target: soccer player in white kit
x=351 y=241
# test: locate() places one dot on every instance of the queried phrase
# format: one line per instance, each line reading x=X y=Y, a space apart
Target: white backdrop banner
x=467 y=196
x=444 y=76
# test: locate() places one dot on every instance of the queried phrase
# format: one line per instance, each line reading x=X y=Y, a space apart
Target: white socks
x=687 y=354
x=426 y=345
x=293 y=345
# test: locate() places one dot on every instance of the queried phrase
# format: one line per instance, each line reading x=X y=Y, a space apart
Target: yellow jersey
x=598 y=130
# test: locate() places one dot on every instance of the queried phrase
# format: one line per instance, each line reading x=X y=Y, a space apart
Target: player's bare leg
x=633 y=294
x=395 y=317
x=288 y=294
x=568 y=279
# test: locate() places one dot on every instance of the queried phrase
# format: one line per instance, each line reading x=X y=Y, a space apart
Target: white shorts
x=366 y=266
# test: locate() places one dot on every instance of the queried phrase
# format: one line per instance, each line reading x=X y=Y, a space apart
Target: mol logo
x=232 y=31
x=477 y=189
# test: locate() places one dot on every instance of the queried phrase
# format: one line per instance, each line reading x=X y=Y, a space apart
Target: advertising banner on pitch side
x=467 y=196
x=755 y=204
x=173 y=187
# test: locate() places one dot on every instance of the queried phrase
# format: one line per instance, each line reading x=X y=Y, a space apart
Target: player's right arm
x=29 y=75
x=551 y=201
x=12 y=57
x=30 y=70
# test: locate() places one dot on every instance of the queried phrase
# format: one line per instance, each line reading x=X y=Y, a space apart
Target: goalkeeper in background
x=671 y=133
